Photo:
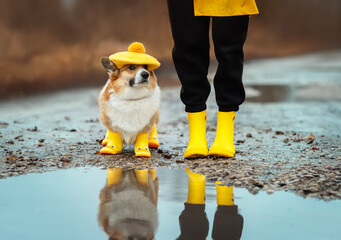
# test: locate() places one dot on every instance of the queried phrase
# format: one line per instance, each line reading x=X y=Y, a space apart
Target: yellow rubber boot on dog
x=106 y=138
x=141 y=145
x=114 y=176
x=153 y=142
x=197 y=144
x=114 y=145
x=196 y=188
x=223 y=144
x=224 y=195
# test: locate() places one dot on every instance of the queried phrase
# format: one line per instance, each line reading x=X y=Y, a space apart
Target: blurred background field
x=54 y=44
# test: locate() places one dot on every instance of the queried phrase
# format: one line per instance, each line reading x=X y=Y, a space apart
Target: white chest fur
x=133 y=115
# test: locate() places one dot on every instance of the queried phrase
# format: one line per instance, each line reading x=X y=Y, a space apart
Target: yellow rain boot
x=142 y=176
x=153 y=142
x=224 y=195
x=114 y=145
x=106 y=138
x=196 y=187
x=197 y=144
x=114 y=176
x=152 y=173
x=141 y=145
x=223 y=144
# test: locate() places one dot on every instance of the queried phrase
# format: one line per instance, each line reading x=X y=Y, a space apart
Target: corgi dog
x=128 y=204
x=129 y=108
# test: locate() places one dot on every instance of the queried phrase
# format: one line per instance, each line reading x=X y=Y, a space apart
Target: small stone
x=41 y=140
x=3 y=124
x=33 y=158
x=65 y=159
x=308 y=176
x=167 y=155
x=270 y=191
x=279 y=133
x=286 y=140
x=249 y=135
x=254 y=191
x=35 y=129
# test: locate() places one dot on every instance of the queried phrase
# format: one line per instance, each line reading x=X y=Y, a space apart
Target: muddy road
x=287 y=133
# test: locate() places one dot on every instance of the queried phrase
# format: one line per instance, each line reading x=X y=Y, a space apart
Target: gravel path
x=287 y=134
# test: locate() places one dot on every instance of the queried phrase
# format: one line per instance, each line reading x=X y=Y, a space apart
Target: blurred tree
x=59 y=42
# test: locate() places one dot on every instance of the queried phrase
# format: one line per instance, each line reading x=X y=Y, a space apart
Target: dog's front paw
x=142 y=152
x=110 y=150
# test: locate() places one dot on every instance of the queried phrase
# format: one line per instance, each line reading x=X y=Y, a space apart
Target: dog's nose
x=145 y=75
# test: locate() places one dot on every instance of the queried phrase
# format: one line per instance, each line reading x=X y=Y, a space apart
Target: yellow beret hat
x=135 y=55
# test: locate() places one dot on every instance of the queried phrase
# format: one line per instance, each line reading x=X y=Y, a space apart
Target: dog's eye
x=145 y=66
x=132 y=67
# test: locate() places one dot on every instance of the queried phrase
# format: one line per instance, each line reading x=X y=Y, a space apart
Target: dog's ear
x=109 y=66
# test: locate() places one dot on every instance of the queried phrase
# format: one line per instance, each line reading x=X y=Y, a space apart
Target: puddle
x=269 y=93
x=65 y=204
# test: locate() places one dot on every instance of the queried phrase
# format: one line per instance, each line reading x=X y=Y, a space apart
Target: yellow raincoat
x=224 y=8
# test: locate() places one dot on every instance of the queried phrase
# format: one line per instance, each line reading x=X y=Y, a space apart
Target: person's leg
x=190 y=53
x=229 y=35
x=191 y=60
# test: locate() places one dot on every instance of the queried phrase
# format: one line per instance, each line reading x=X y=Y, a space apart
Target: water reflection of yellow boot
x=153 y=142
x=193 y=220
x=114 y=176
x=228 y=224
x=223 y=144
x=197 y=144
x=142 y=176
x=152 y=173
x=114 y=145
x=224 y=195
x=196 y=188
x=141 y=145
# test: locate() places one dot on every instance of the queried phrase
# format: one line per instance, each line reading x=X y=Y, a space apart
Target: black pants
x=191 y=56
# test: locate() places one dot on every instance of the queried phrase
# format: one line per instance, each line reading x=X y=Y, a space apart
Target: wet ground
x=65 y=204
x=287 y=133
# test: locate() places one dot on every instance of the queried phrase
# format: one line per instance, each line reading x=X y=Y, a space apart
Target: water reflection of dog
x=128 y=204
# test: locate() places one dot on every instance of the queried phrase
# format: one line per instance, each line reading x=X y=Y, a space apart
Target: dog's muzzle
x=141 y=77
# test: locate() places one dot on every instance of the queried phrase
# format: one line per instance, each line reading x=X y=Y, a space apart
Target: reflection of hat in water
x=135 y=55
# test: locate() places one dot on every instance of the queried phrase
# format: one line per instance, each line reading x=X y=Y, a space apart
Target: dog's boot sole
x=142 y=152
x=109 y=150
